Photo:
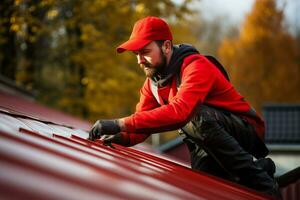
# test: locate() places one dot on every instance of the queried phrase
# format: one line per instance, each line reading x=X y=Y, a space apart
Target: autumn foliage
x=263 y=60
x=64 y=52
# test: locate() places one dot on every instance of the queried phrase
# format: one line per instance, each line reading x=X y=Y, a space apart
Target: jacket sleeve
x=147 y=102
x=198 y=78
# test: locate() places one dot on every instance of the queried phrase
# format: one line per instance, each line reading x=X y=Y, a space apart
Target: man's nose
x=140 y=59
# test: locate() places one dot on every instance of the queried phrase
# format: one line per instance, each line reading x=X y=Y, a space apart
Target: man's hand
x=104 y=127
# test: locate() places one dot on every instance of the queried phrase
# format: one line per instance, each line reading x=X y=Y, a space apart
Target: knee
x=203 y=124
x=206 y=118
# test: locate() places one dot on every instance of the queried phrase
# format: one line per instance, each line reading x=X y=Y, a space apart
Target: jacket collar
x=179 y=53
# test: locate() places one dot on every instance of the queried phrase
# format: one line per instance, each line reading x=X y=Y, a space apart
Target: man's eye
x=145 y=52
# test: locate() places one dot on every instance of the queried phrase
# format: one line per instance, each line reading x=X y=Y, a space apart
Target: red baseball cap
x=145 y=31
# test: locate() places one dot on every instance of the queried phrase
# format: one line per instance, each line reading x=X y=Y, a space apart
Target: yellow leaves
x=18 y=2
x=15 y=28
x=32 y=38
x=19 y=29
x=84 y=37
x=44 y=3
x=13 y=20
x=51 y=14
x=16 y=24
x=84 y=81
x=91 y=86
x=263 y=23
x=140 y=8
x=265 y=57
x=228 y=50
x=23 y=20
x=77 y=41
x=89 y=33
x=101 y=3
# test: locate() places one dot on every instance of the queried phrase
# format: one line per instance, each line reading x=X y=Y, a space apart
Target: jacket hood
x=179 y=53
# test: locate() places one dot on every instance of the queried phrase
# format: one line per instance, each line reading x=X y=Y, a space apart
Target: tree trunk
x=8 y=46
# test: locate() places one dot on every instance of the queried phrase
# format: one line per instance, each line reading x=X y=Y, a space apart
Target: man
x=187 y=90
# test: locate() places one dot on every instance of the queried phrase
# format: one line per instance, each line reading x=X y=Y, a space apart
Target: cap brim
x=132 y=45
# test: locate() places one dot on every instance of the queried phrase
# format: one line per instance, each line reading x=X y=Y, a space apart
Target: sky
x=236 y=10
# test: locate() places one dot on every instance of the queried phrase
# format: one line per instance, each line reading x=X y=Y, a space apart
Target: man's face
x=151 y=59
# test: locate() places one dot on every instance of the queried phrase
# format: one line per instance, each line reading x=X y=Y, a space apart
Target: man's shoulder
x=193 y=58
x=197 y=63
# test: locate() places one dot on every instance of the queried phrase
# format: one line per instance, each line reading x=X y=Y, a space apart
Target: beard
x=151 y=70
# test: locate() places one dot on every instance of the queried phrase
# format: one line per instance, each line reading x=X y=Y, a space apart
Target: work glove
x=104 y=127
x=119 y=138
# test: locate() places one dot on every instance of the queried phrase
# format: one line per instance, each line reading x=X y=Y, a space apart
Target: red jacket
x=201 y=83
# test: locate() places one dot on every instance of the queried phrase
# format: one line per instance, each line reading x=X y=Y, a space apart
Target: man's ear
x=166 y=48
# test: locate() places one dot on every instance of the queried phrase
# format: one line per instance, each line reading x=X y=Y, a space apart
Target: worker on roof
x=191 y=92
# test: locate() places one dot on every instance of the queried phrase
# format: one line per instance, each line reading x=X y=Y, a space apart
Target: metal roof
x=31 y=109
x=43 y=160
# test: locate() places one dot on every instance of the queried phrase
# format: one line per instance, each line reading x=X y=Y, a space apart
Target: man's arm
x=197 y=80
x=116 y=126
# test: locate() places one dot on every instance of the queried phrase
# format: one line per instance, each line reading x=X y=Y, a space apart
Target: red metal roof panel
x=31 y=109
x=47 y=162
x=44 y=154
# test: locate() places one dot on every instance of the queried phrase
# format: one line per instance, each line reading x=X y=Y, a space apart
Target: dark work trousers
x=224 y=145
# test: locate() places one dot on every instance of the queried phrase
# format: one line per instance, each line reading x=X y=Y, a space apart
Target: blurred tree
x=32 y=18
x=65 y=50
x=262 y=61
x=206 y=35
x=112 y=82
x=7 y=40
x=24 y=33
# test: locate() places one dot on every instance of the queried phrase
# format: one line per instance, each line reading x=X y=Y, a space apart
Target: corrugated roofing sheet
x=40 y=160
x=34 y=110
